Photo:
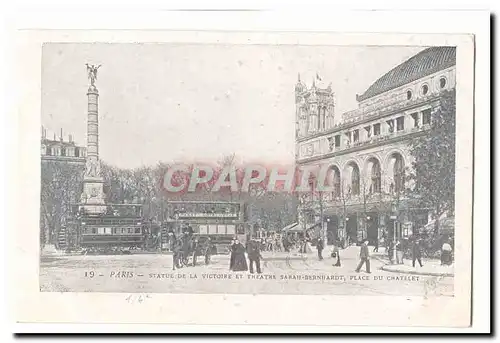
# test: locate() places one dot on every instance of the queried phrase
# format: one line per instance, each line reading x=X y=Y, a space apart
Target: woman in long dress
x=231 y=260
x=336 y=254
x=446 y=253
x=240 y=262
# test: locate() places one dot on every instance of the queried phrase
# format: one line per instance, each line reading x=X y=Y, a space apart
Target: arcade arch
x=352 y=177
x=373 y=174
x=396 y=170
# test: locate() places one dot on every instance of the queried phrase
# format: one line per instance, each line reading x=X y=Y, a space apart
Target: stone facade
x=369 y=155
x=60 y=150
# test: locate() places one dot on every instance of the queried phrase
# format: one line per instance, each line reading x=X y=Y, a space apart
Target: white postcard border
x=232 y=309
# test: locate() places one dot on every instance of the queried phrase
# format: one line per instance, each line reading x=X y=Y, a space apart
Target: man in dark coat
x=253 y=251
x=208 y=250
x=185 y=247
x=364 y=256
x=196 y=250
x=390 y=251
x=232 y=249
x=286 y=242
x=336 y=253
x=320 y=246
x=376 y=245
x=176 y=253
x=417 y=252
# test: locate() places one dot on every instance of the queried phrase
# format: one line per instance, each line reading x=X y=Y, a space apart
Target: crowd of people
x=415 y=248
x=188 y=247
x=284 y=242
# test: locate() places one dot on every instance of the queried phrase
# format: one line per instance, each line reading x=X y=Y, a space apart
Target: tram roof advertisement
x=205 y=210
x=110 y=210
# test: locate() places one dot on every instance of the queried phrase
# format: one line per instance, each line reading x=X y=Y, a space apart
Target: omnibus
x=118 y=227
x=219 y=220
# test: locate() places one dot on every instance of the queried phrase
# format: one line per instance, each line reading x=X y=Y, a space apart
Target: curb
x=416 y=272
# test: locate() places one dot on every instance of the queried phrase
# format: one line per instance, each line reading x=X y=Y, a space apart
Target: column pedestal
x=93 y=195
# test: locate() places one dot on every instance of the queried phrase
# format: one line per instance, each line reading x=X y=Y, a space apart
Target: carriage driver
x=176 y=253
x=208 y=250
x=196 y=247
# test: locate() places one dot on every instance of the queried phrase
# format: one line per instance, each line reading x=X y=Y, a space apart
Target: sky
x=199 y=102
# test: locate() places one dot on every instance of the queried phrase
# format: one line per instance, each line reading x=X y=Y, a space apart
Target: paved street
x=283 y=273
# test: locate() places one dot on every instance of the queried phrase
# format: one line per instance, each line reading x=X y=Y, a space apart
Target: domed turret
x=299 y=87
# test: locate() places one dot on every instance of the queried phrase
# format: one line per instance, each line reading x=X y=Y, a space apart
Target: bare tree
x=61 y=184
x=344 y=196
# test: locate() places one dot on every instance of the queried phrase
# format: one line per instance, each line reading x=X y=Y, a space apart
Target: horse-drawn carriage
x=188 y=247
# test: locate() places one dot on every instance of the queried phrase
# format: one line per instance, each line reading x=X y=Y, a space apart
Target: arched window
x=399 y=174
x=336 y=182
x=425 y=89
x=442 y=82
x=375 y=176
x=354 y=179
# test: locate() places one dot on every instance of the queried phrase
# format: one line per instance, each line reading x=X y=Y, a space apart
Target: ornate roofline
x=426 y=62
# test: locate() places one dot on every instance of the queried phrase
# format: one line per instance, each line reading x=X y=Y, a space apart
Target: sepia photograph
x=257 y=169
x=250 y=180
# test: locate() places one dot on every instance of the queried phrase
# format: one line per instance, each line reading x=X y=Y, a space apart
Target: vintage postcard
x=236 y=168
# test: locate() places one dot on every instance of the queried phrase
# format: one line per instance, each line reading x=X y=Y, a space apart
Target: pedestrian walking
x=195 y=246
x=286 y=242
x=364 y=256
x=232 y=256
x=399 y=252
x=417 y=253
x=239 y=262
x=176 y=253
x=254 y=256
x=208 y=250
x=320 y=246
x=390 y=251
x=446 y=253
x=170 y=241
x=336 y=254
x=376 y=245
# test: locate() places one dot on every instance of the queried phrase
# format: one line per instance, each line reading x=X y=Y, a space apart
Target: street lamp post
x=394 y=217
x=347 y=237
x=326 y=230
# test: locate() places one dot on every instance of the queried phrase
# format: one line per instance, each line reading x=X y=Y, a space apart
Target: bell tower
x=315 y=108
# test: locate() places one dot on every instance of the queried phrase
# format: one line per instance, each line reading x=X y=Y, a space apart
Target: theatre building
x=368 y=149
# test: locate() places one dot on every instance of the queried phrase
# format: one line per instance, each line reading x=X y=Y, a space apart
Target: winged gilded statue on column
x=92 y=73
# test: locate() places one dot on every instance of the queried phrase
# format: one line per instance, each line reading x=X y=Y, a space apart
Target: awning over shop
x=314 y=226
x=290 y=227
x=295 y=227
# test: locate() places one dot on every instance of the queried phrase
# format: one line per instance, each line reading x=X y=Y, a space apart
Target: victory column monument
x=96 y=224
x=93 y=192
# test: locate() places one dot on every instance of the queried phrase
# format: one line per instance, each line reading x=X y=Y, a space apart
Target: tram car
x=119 y=228
x=222 y=221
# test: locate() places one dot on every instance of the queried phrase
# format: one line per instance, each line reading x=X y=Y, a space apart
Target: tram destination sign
x=207 y=215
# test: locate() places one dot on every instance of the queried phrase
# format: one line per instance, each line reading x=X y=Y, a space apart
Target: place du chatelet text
x=225 y=276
